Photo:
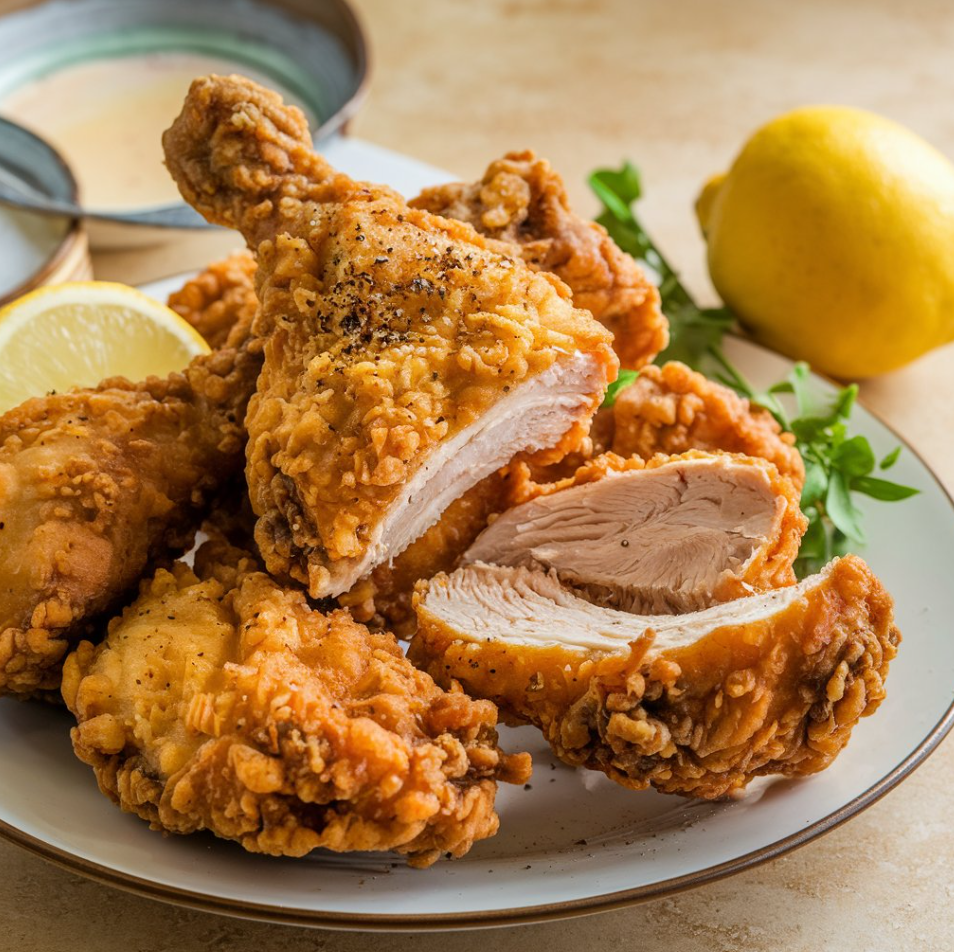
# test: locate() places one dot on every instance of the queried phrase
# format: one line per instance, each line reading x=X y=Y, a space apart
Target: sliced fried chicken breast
x=223 y=702
x=672 y=535
x=697 y=704
x=406 y=356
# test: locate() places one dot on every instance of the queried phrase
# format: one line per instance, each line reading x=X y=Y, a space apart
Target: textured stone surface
x=676 y=87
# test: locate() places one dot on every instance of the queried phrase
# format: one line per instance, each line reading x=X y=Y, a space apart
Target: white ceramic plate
x=569 y=843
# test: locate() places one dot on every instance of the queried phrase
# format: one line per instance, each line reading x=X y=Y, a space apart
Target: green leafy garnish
x=837 y=464
x=624 y=379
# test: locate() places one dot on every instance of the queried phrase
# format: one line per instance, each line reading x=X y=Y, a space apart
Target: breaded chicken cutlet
x=696 y=704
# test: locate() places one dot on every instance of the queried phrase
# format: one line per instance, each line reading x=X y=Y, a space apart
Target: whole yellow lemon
x=832 y=239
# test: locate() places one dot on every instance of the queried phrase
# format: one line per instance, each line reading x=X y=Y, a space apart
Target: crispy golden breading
x=97 y=484
x=226 y=703
x=523 y=202
x=776 y=694
x=391 y=335
x=672 y=409
x=771 y=562
x=220 y=299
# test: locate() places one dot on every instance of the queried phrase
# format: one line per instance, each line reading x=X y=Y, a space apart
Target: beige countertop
x=676 y=86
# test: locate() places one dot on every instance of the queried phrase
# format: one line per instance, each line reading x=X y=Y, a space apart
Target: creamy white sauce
x=106 y=117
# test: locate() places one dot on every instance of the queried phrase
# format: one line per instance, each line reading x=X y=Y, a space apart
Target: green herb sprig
x=837 y=464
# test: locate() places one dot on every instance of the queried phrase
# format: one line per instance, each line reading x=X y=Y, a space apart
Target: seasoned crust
x=371 y=403
x=672 y=409
x=522 y=202
x=778 y=696
x=227 y=704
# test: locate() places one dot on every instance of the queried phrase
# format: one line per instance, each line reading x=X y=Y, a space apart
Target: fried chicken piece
x=521 y=201
x=672 y=409
x=675 y=534
x=695 y=704
x=405 y=358
x=220 y=299
x=225 y=703
x=95 y=486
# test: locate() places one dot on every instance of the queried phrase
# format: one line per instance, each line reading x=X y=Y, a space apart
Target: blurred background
x=675 y=86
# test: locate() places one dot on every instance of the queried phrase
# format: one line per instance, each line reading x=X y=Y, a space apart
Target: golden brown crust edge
x=220 y=300
x=671 y=409
x=280 y=744
x=779 y=697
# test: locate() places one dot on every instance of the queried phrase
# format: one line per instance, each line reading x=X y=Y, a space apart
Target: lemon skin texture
x=832 y=238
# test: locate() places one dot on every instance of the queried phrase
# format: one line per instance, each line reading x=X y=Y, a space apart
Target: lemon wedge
x=79 y=333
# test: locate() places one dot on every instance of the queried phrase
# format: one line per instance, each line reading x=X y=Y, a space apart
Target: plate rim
x=519 y=915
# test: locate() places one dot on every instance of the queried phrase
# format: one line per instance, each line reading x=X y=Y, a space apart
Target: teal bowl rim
x=324 y=122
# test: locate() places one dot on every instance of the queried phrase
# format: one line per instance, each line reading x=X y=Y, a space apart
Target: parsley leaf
x=625 y=378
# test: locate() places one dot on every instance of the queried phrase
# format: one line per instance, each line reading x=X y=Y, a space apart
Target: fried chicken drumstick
x=405 y=357
x=221 y=701
x=95 y=485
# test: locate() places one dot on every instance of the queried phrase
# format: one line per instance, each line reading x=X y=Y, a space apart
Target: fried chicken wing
x=522 y=202
x=405 y=358
x=220 y=301
x=225 y=703
x=696 y=704
x=95 y=485
x=672 y=409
